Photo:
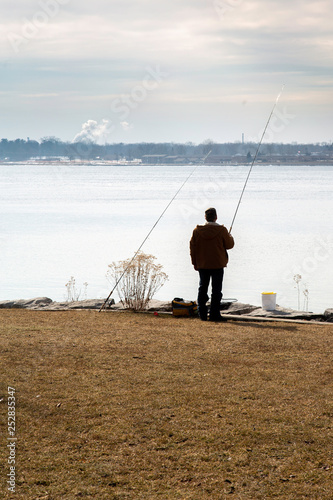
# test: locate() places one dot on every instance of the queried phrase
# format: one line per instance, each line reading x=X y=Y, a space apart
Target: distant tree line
x=51 y=147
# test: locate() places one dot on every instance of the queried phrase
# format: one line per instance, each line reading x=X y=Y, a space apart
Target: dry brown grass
x=132 y=406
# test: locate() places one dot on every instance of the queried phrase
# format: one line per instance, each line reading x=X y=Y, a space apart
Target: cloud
x=175 y=33
x=214 y=51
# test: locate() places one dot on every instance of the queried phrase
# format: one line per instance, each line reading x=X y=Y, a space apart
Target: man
x=208 y=248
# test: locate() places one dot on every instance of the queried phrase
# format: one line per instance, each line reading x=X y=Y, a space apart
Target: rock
x=284 y=312
x=153 y=305
x=37 y=303
x=46 y=303
x=57 y=306
x=80 y=304
x=7 y=304
x=239 y=308
x=159 y=305
x=328 y=315
x=86 y=304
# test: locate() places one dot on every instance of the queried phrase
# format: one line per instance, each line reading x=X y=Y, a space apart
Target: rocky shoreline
x=232 y=309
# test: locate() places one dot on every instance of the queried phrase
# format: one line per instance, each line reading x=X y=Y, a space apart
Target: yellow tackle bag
x=181 y=307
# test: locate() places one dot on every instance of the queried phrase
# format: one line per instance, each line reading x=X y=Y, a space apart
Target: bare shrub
x=136 y=280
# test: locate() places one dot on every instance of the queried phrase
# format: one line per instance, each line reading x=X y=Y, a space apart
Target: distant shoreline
x=105 y=163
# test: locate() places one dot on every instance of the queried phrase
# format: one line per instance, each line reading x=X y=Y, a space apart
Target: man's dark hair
x=210 y=214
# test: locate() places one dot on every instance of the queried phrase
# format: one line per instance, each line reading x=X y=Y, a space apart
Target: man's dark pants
x=216 y=275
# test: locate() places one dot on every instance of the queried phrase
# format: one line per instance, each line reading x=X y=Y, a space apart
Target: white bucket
x=268 y=300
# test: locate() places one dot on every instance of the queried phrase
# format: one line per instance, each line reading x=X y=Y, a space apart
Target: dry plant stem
x=73 y=294
x=297 y=278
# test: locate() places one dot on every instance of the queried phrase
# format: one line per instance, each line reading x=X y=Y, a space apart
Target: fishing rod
x=151 y=230
x=255 y=156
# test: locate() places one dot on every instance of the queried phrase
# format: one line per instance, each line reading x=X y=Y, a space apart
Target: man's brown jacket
x=209 y=245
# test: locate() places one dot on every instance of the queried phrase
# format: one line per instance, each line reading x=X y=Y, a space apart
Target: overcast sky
x=166 y=70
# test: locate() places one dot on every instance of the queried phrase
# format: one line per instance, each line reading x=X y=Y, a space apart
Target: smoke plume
x=95 y=132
